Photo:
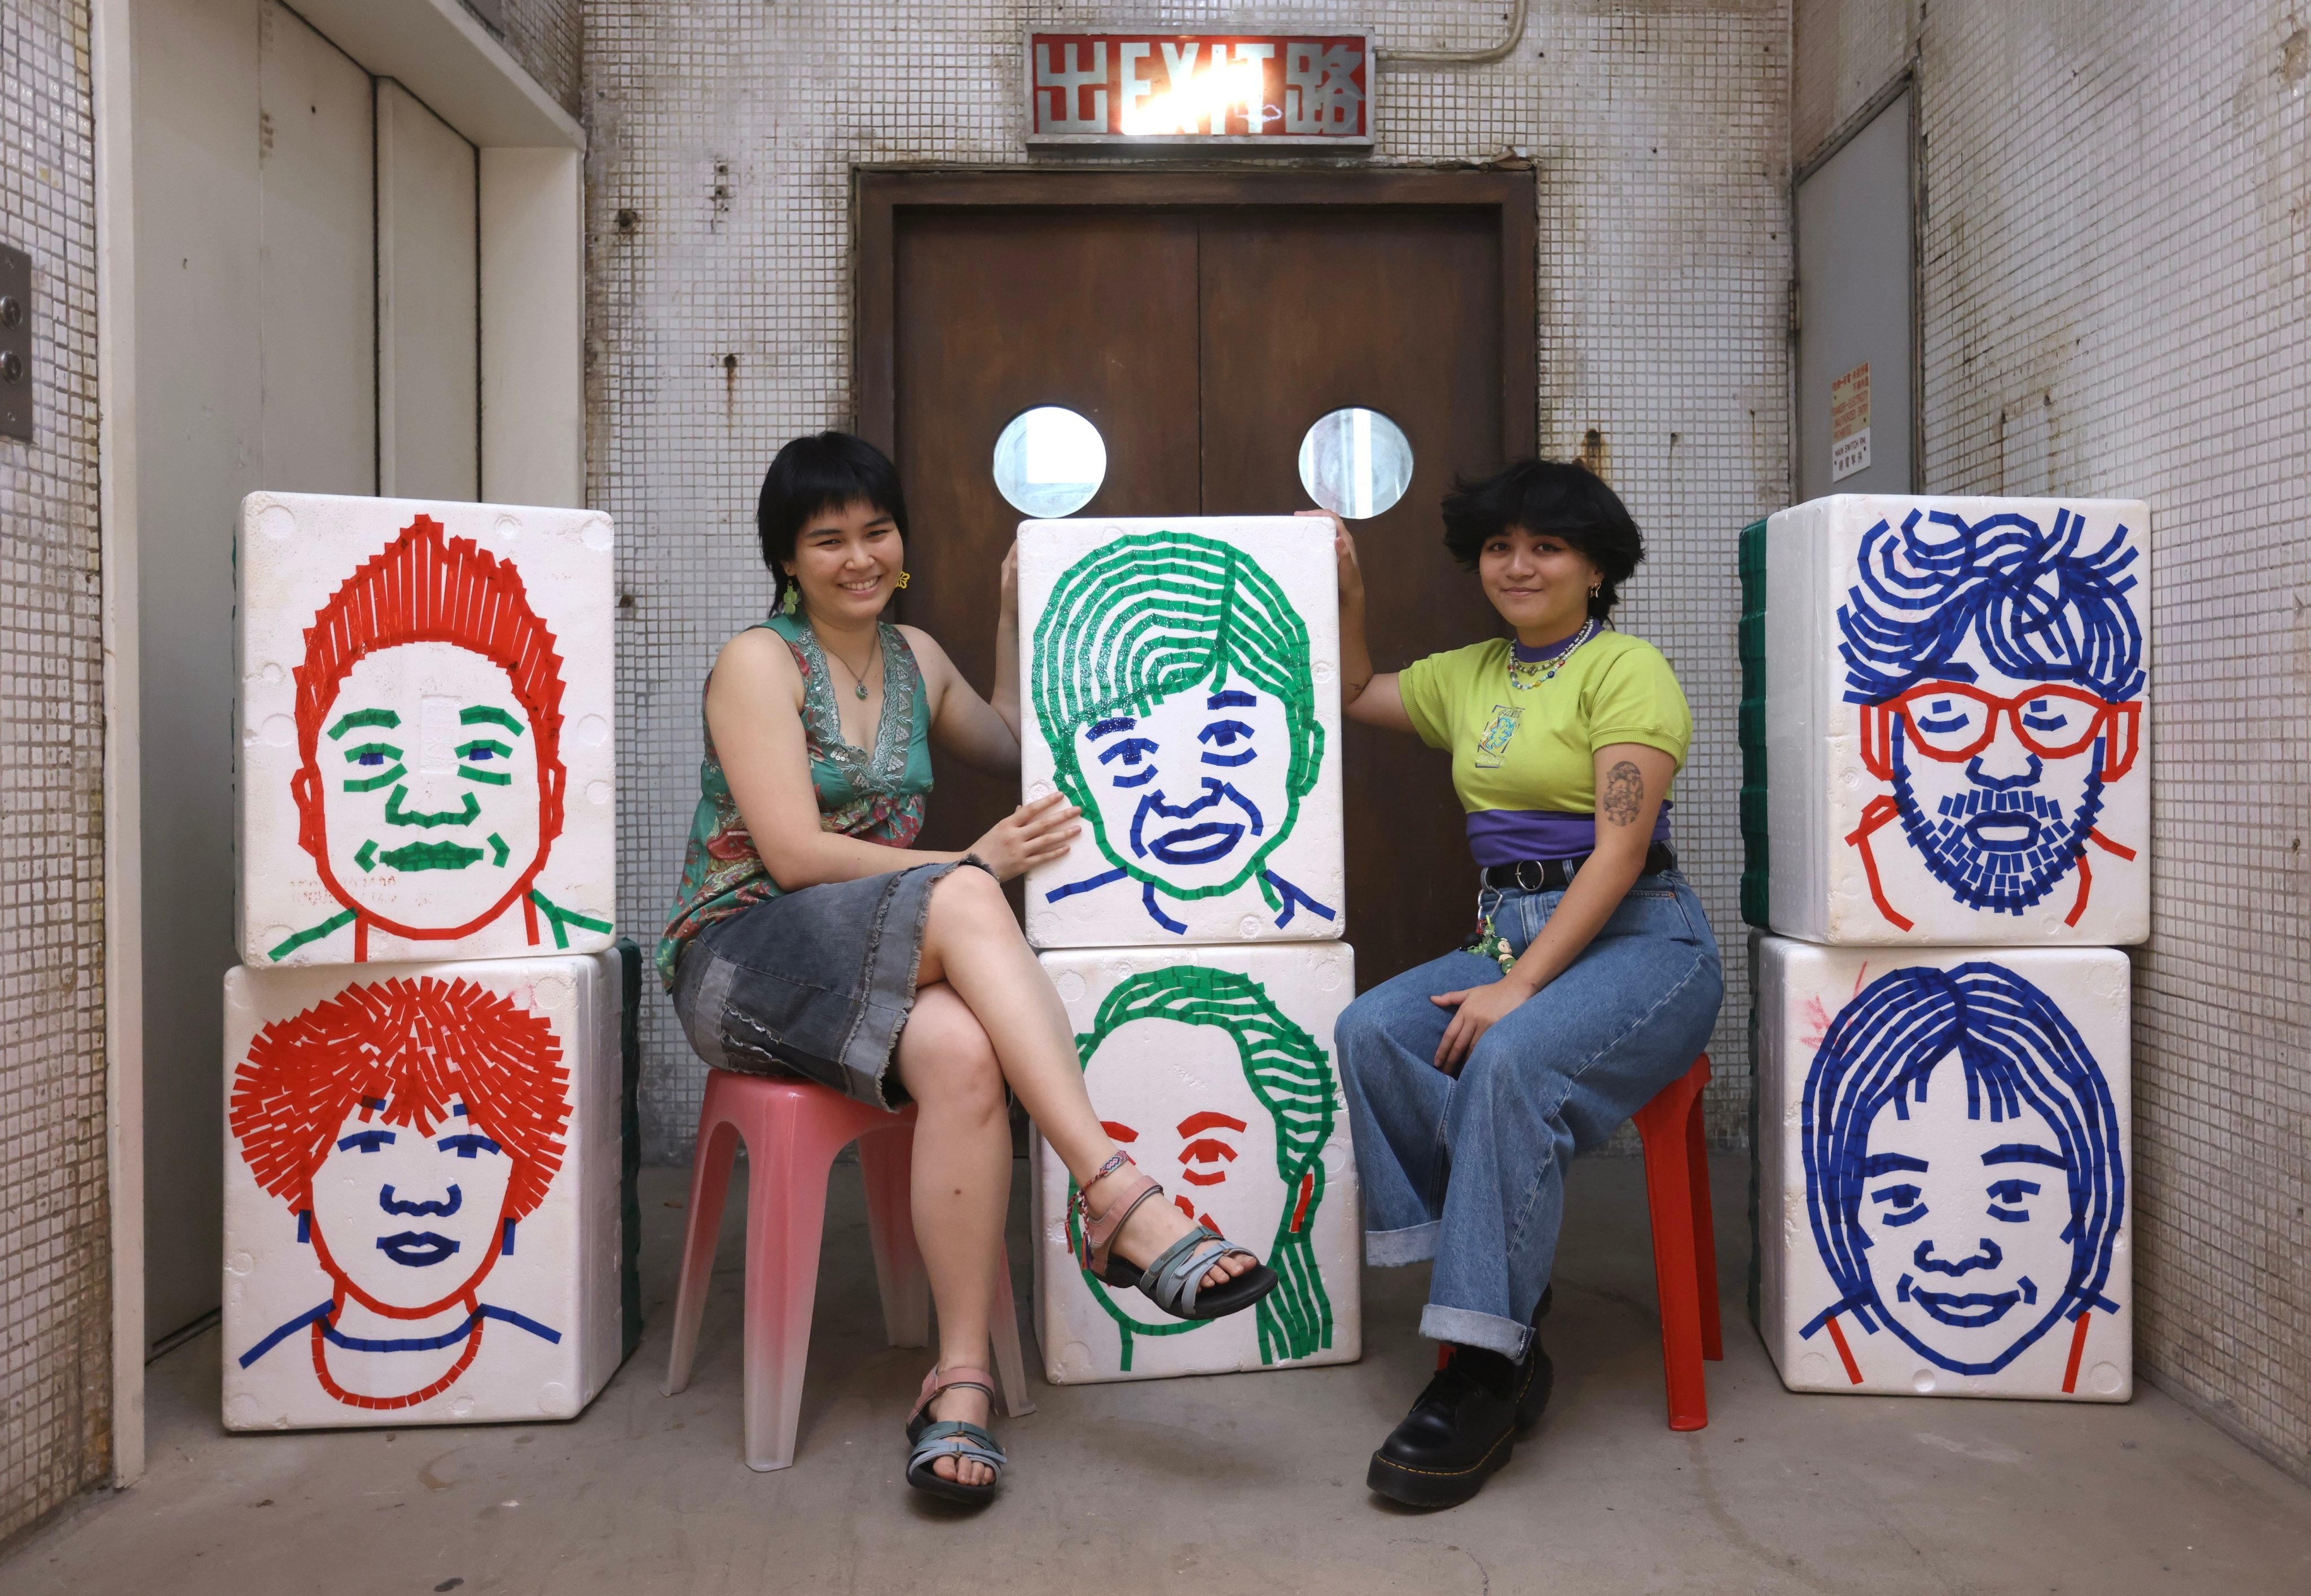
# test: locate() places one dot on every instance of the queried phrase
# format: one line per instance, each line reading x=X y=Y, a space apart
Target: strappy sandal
x=1174 y=1281
x=936 y=1438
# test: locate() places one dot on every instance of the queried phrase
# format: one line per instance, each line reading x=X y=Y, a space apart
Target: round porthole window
x=1050 y=461
x=1355 y=463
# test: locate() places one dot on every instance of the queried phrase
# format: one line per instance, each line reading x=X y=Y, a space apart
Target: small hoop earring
x=1594 y=591
x=904 y=578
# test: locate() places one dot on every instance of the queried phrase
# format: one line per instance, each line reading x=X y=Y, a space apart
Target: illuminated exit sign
x=1245 y=89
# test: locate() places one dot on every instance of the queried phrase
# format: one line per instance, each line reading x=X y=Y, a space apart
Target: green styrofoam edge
x=1750 y=561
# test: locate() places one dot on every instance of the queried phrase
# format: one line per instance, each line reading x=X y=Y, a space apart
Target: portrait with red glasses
x=1997 y=670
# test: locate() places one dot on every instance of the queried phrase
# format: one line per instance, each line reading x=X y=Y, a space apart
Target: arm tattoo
x=1623 y=794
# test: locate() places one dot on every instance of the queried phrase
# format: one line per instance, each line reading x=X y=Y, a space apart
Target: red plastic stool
x=1685 y=1241
x=793 y=1130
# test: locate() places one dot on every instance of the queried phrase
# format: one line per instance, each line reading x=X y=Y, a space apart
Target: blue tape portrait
x=1999 y=668
x=1964 y=1165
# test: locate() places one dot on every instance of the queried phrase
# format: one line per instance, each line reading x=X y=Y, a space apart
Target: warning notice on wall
x=1200 y=88
x=1849 y=423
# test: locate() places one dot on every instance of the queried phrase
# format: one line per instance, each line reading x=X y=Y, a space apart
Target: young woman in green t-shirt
x=1593 y=978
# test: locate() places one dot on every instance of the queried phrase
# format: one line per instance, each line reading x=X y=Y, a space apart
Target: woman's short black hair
x=1561 y=498
x=823 y=471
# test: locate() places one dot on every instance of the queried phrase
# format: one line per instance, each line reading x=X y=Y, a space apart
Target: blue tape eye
x=1955 y=723
x=365 y=1141
x=1904 y=1201
x=466 y=1145
x=2011 y=1192
x=1131 y=751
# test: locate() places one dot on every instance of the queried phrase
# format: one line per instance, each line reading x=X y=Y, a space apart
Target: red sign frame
x=1154 y=87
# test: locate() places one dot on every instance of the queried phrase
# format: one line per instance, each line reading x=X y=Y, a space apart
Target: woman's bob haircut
x=821 y=472
x=1556 y=498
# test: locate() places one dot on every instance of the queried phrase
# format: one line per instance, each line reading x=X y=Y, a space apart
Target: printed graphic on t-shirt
x=1498 y=730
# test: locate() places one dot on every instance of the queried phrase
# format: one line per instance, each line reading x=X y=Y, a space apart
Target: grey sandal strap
x=1177 y=1276
x=953 y=1438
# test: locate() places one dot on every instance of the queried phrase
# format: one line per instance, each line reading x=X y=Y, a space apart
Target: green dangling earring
x=792 y=601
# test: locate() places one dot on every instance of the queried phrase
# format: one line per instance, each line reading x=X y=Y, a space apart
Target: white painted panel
x=1181 y=680
x=533 y=325
x=426 y=759
x=318 y=263
x=353 y=1178
x=1885 y=828
x=1945 y=1164
x=1214 y=1067
x=1855 y=276
x=429 y=380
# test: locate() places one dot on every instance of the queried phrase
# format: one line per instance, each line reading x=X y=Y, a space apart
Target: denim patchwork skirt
x=814 y=985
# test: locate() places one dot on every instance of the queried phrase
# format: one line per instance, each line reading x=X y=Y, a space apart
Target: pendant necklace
x=1526 y=674
x=861 y=681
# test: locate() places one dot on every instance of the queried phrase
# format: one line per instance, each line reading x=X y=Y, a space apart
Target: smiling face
x=1197 y=1130
x=1193 y=791
x=1538 y=582
x=410 y=1222
x=1999 y=821
x=429 y=788
x=1963 y=1219
x=847 y=558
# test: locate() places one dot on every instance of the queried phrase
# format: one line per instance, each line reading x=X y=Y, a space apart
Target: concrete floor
x=1235 y=1483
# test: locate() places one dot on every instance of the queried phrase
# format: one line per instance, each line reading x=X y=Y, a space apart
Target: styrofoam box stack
x=1956 y=739
x=1181 y=680
x=1924 y=1232
x=398 y=1215
x=2006 y=596
x=426 y=1137
x=1213 y=1068
x=1212 y=810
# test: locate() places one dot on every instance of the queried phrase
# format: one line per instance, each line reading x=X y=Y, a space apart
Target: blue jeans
x=1471 y=1171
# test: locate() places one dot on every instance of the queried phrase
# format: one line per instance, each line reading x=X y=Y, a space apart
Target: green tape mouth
x=431 y=856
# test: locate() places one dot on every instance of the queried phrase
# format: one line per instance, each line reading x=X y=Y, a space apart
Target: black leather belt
x=1554 y=874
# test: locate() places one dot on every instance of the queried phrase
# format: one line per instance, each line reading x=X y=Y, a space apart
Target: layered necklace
x=1529 y=670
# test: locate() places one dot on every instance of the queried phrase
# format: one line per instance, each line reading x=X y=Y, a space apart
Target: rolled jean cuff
x=1469 y=1328
x=1388 y=1249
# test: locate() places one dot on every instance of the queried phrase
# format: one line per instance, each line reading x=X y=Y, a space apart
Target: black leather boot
x=1464 y=1425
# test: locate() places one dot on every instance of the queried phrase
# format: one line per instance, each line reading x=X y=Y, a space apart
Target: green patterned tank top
x=875 y=794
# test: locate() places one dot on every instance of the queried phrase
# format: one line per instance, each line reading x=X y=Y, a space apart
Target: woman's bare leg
x=971 y=943
x=960 y=1185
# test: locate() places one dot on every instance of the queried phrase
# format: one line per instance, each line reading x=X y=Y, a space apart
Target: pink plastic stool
x=793 y=1131
x=1685 y=1241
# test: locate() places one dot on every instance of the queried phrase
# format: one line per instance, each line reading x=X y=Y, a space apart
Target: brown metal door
x=1202 y=330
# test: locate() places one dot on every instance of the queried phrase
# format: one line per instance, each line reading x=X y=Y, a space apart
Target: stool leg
x=1003 y=1335
x=710 y=1184
x=1704 y=1234
x=786 y=1219
x=1669 y=1198
x=885 y=1158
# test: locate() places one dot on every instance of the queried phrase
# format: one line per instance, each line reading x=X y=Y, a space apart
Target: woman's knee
x=948 y=1062
x=968 y=901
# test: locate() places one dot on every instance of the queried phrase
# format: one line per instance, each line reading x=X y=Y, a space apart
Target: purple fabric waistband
x=1503 y=836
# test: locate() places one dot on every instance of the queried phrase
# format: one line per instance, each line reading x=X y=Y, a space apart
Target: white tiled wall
x=55 y=1305
x=725 y=135
x=2116 y=254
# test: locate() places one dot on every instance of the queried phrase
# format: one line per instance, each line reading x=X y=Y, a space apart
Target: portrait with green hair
x=1246 y=1107
x=1171 y=681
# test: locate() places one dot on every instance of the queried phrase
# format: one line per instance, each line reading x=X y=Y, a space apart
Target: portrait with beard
x=1998 y=670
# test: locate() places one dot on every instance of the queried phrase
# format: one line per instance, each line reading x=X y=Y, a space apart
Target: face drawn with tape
x=1171 y=683
x=409 y=1125
x=1964 y=1169
x=1998 y=669
x=430 y=786
x=1241 y=1150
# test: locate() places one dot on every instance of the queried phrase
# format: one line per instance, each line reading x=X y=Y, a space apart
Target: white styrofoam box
x=1213 y=1068
x=1944 y=1156
x=426 y=1155
x=1181 y=680
x=1899 y=631
x=425 y=761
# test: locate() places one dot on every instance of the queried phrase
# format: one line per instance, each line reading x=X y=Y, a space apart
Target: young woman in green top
x=803 y=942
x=1592 y=980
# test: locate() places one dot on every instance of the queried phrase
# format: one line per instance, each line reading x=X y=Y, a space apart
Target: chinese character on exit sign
x=1200 y=88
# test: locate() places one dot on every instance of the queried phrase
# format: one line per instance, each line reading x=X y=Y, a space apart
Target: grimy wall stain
x=726 y=133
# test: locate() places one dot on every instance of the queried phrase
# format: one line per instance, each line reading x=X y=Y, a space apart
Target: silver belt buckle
x=1540 y=875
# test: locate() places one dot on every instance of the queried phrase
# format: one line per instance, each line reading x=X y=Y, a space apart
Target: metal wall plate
x=15 y=343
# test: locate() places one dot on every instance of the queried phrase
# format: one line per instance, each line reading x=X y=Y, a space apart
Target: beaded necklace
x=1524 y=674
